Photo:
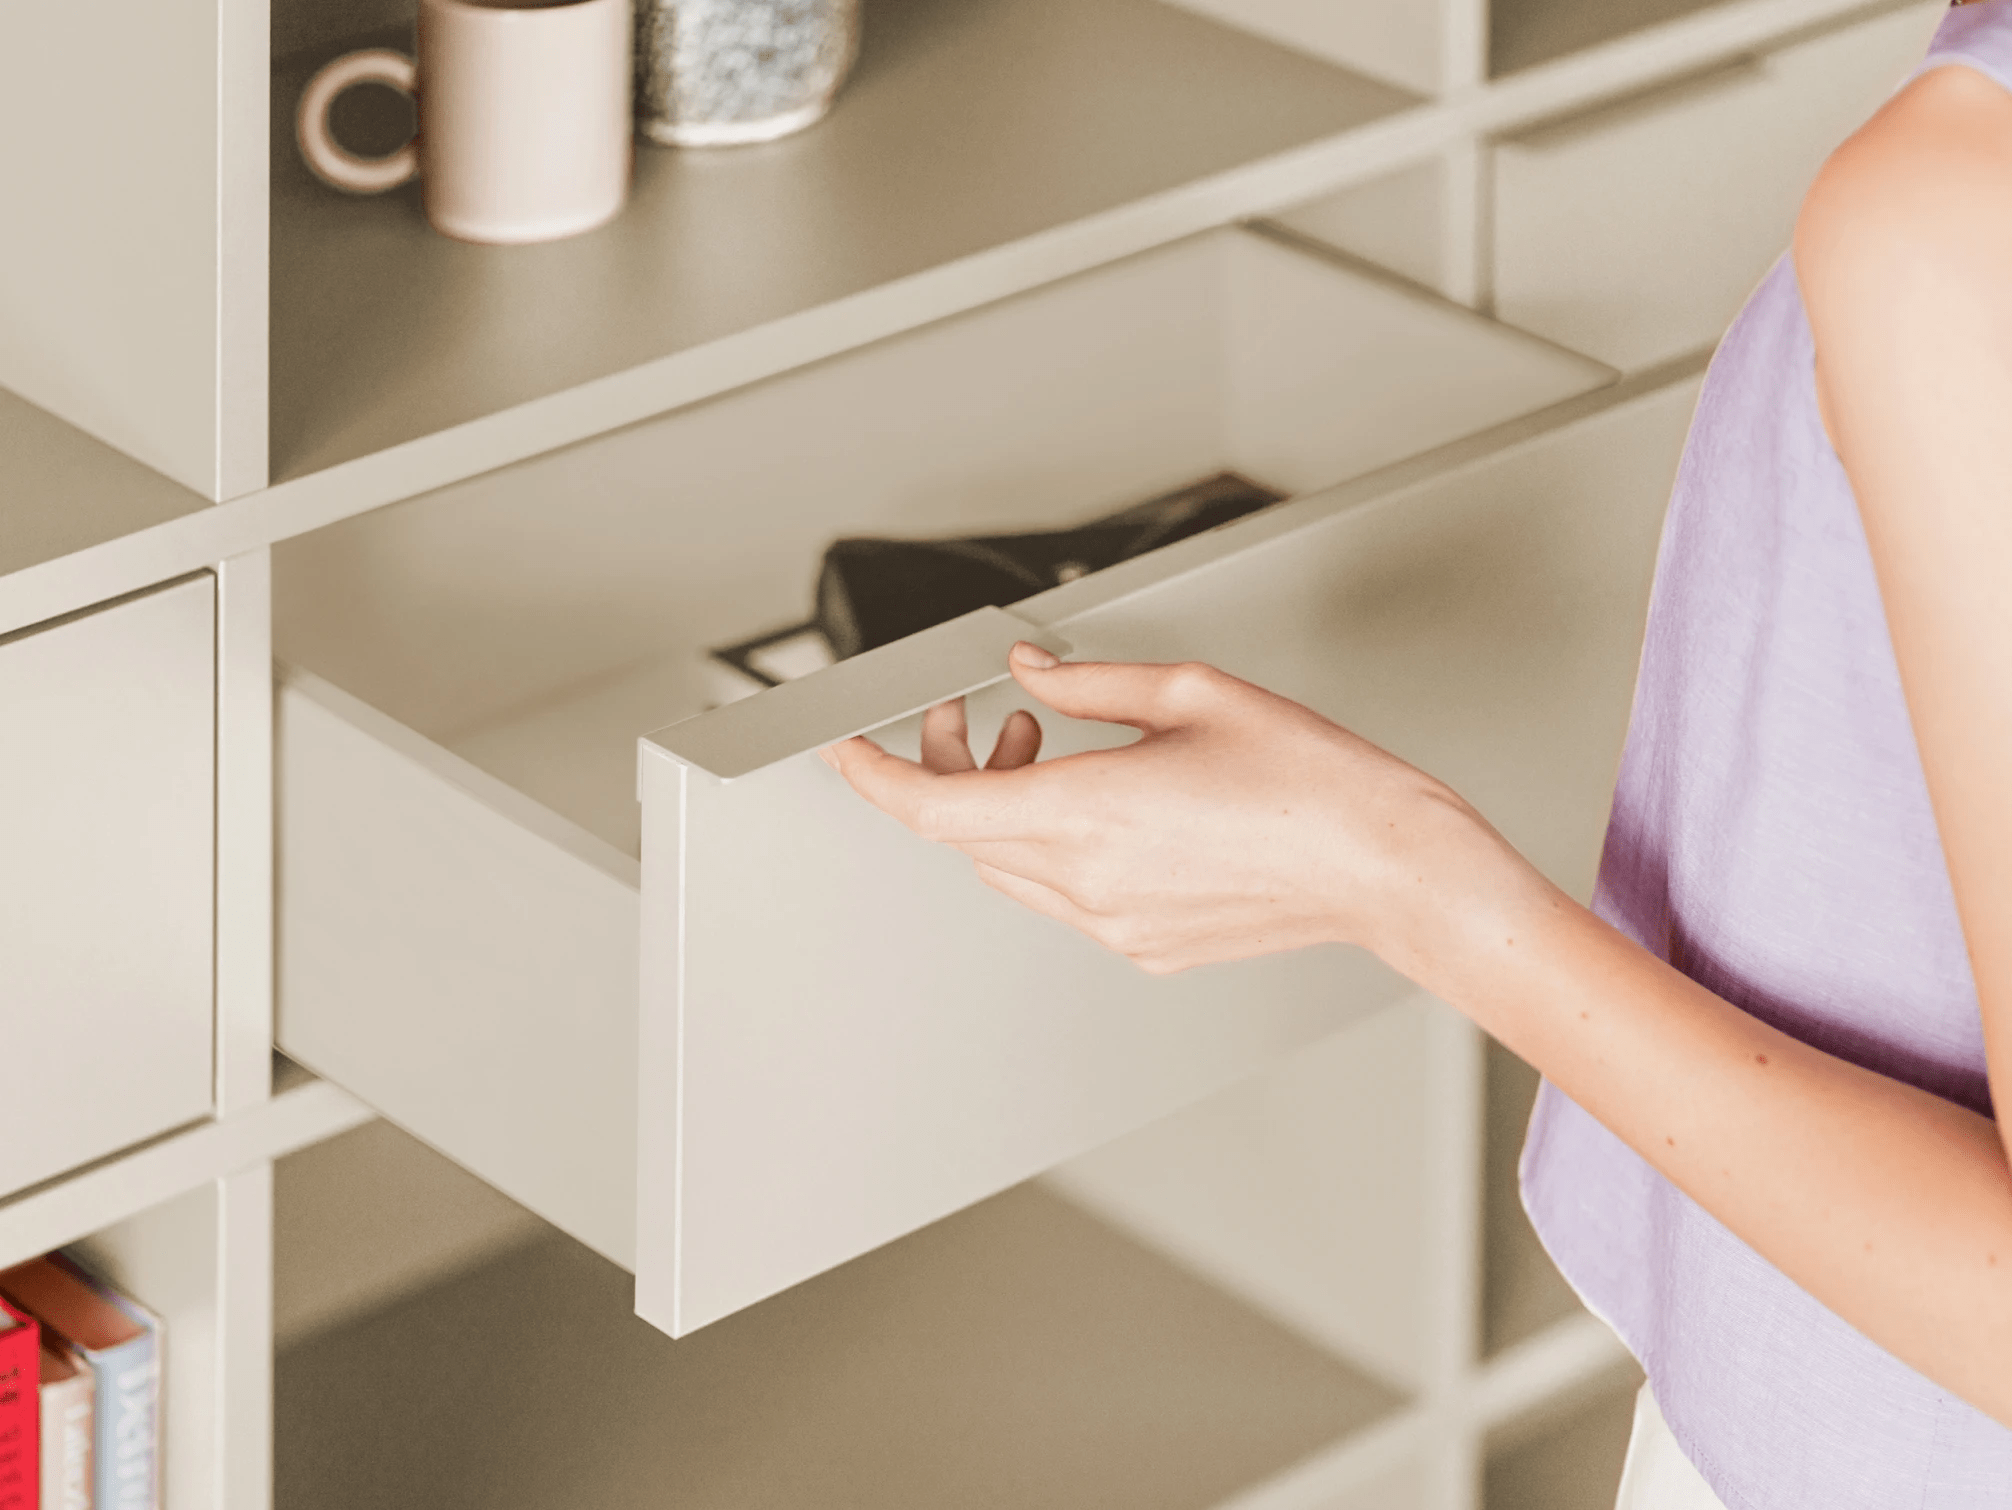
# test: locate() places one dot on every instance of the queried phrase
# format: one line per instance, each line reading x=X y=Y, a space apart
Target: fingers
x=1019 y=742
x=1150 y=698
x=960 y=807
x=946 y=742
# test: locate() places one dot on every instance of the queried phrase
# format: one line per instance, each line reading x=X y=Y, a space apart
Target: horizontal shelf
x=65 y=492
x=304 y=1110
x=1016 y=1353
x=1525 y=33
x=969 y=125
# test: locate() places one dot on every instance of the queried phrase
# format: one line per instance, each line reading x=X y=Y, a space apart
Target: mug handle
x=334 y=164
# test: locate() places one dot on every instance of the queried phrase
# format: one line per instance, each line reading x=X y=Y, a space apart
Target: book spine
x=127 y=1449
x=20 y=1411
x=66 y=1442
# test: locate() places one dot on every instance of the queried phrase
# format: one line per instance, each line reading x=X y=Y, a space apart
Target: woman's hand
x=1241 y=823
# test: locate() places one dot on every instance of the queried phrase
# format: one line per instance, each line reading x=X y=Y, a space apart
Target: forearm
x=1891 y=1206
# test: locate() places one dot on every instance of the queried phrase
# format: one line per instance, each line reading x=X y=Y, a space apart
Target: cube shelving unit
x=487 y=502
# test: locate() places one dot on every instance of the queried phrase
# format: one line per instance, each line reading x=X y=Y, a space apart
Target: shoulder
x=1913 y=214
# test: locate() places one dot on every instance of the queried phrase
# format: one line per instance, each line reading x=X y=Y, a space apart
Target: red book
x=20 y=1410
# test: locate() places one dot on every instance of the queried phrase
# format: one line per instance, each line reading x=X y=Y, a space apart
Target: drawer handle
x=854 y=696
x=1565 y=131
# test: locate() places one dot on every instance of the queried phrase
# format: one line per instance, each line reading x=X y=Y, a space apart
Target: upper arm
x=1904 y=254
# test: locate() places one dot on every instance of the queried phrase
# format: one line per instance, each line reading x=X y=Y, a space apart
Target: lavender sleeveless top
x=1771 y=837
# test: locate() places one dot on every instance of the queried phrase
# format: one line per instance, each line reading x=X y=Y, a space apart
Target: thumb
x=1149 y=698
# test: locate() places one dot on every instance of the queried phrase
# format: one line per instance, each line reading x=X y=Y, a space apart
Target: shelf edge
x=74 y=1206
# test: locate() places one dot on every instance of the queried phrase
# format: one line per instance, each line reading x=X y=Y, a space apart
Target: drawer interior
x=459 y=832
x=537 y=620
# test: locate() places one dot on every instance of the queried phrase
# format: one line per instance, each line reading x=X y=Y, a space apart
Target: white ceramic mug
x=524 y=117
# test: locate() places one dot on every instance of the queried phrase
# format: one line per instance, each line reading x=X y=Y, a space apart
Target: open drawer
x=838 y=1034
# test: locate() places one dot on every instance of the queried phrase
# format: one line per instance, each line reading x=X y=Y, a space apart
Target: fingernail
x=1028 y=654
x=827 y=757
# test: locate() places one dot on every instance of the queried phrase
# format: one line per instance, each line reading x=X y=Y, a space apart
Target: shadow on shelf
x=1019 y=1353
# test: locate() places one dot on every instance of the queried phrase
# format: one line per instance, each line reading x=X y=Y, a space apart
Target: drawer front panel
x=107 y=777
x=845 y=1035
x=1635 y=232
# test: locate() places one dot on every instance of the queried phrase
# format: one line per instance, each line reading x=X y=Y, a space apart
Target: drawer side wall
x=465 y=976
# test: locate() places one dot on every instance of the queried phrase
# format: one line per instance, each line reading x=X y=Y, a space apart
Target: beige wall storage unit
x=1023 y=274
x=107 y=766
x=1634 y=231
x=873 y=1039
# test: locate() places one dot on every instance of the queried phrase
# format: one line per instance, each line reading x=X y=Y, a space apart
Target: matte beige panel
x=459 y=960
x=1396 y=221
x=65 y=491
x=858 y=1037
x=966 y=127
x=366 y=1219
x=1636 y=231
x=126 y=213
x=1524 y=33
x=1389 y=372
x=1522 y=1291
x=1399 y=42
x=1018 y=1357
x=107 y=729
x=1301 y=1190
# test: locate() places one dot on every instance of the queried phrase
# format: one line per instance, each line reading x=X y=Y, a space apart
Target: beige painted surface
x=365 y=1220
x=1401 y=43
x=1524 y=33
x=1567 y=1458
x=1019 y=1354
x=461 y=960
x=1522 y=1291
x=106 y=805
x=66 y=491
x=1636 y=231
x=964 y=128
x=1301 y=1190
x=1396 y=221
x=132 y=269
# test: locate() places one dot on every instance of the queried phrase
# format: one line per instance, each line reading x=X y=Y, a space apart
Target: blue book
x=120 y=1342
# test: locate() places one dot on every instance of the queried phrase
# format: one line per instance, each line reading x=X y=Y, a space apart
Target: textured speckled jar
x=719 y=72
